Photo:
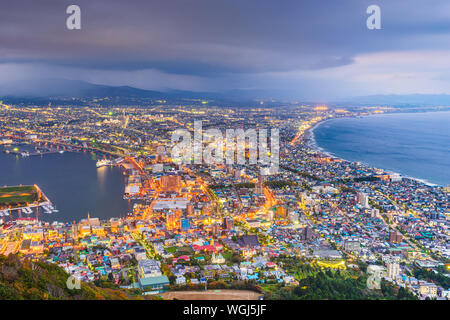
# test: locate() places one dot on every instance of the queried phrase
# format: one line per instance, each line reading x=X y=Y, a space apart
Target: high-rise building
x=395 y=237
x=363 y=199
x=393 y=268
x=374 y=212
x=259 y=186
x=307 y=233
x=170 y=220
x=215 y=229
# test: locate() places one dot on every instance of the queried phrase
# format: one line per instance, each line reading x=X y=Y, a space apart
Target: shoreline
x=311 y=142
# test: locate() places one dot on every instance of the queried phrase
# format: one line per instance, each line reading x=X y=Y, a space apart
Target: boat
x=104 y=162
x=47 y=209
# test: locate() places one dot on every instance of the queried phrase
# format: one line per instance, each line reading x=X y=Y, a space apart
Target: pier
x=46 y=206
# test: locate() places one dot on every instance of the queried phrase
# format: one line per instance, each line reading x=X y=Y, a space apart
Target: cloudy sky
x=312 y=49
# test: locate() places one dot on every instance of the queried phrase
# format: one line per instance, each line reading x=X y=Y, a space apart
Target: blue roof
x=150 y=281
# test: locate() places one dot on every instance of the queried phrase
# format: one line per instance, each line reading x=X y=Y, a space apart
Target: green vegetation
x=439 y=276
x=218 y=186
x=279 y=184
x=316 y=283
x=25 y=280
x=302 y=174
x=335 y=286
x=358 y=179
x=171 y=249
x=18 y=196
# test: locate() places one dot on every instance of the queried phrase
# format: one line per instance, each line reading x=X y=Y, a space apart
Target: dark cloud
x=222 y=39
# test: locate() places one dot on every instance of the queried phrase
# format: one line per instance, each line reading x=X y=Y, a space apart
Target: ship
x=53 y=208
x=104 y=162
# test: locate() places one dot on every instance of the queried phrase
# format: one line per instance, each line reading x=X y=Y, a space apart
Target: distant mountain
x=398 y=100
x=61 y=91
x=58 y=88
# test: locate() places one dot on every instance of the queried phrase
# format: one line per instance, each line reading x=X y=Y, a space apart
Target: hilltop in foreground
x=25 y=280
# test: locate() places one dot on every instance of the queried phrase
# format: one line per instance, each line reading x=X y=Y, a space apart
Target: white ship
x=47 y=209
x=104 y=162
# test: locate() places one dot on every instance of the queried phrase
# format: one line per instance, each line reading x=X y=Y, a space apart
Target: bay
x=413 y=144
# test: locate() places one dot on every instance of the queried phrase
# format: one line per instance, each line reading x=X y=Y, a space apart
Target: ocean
x=71 y=181
x=416 y=145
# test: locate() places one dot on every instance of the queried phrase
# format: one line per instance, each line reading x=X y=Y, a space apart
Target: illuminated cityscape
x=258 y=150
x=194 y=225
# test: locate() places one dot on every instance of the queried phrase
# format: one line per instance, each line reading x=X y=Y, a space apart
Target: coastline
x=312 y=143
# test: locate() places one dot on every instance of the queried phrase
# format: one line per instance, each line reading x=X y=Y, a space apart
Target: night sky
x=314 y=49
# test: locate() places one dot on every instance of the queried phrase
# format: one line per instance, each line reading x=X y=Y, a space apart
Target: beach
x=390 y=149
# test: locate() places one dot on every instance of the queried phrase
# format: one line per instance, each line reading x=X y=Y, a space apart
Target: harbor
x=66 y=178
